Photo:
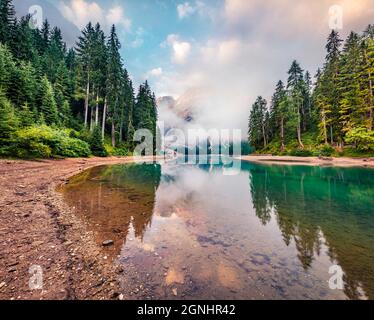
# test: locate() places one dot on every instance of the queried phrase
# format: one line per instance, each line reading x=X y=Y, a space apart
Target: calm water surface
x=269 y=232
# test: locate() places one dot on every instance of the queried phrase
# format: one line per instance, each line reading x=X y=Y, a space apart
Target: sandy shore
x=38 y=229
x=312 y=161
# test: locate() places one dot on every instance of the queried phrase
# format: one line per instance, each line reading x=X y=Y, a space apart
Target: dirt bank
x=38 y=229
x=312 y=161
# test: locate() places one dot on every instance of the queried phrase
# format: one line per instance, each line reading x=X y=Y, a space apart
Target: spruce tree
x=295 y=87
x=352 y=104
x=8 y=120
x=48 y=107
x=278 y=112
x=7 y=21
x=258 y=123
x=84 y=49
x=96 y=143
x=114 y=81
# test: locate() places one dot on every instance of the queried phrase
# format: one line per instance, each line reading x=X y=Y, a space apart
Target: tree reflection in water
x=115 y=199
x=313 y=205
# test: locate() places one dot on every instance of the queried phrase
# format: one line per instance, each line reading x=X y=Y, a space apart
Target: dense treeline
x=331 y=116
x=59 y=101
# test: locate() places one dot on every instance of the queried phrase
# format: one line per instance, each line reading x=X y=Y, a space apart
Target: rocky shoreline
x=39 y=230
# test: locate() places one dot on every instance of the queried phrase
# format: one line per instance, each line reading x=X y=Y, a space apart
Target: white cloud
x=290 y=18
x=187 y=9
x=181 y=49
x=154 y=73
x=184 y=10
x=80 y=12
x=138 y=42
x=251 y=49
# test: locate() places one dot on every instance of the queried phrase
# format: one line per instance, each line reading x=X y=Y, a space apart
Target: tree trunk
x=282 y=134
x=104 y=119
x=264 y=136
x=120 y=133
x=324 y=127
x=301 y=145
x=113 y=134
x=371 y=101
x=331 y=135
x=97 y=109
x=87 y=101
x=91 y=112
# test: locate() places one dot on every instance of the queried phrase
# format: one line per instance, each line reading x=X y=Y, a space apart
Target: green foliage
x=97 y=144
x=48 y=105
x=119 y=151
x=258 y=123
x=327 y=151
x=362 y=138
x=83 y=87
x=301 y=153
x=8 y=120
x=44 y=142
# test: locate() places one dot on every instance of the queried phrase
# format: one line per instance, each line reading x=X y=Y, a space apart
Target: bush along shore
x=57 y=101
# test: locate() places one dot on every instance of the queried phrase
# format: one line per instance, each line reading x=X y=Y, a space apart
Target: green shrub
x=326 y=151
x=301 y=153
x=120 y=151
x=97 y=144
x=45 y=142
x=362 y=138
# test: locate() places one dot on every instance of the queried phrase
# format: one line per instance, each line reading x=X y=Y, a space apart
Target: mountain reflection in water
x=269 y=232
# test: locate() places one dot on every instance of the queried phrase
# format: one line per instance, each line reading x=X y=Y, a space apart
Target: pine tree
x=129 y=101
x=84 y=49
x=100 y=56
x=278 y=112
x=295 y=87
x=368 y=73
x=26 y=86
x=7 y=68
x=26 y=116
x=48 y=107
x=45 y=35
x=23 y=40
x=331 y=91
x=257 y=124
x=352 y=104
x=114 y=80
x=54 y=55
x=7 y=21
x=97 y=144
x=8 y=120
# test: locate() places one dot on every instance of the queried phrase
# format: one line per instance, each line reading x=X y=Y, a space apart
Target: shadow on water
x=268 y=232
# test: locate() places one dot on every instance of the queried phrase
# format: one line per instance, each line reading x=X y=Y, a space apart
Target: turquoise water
x=268 y=232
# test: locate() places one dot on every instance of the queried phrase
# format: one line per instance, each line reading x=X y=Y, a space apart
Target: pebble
x=107 y=243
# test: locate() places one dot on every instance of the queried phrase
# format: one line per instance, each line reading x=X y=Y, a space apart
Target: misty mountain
x=185 y=108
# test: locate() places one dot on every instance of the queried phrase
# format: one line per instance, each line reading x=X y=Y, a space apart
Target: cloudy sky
x=234 y=50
